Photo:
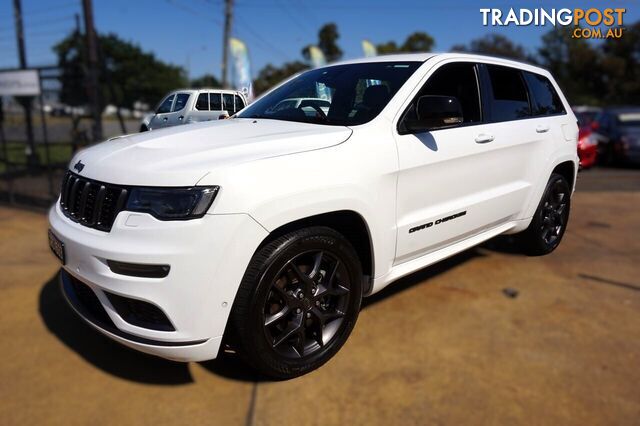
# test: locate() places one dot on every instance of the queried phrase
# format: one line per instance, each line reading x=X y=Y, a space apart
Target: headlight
x=172 y=203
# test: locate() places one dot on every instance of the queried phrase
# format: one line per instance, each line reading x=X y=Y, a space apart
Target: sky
x=189 y=32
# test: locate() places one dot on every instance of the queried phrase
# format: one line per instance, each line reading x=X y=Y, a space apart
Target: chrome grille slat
x=91 y=203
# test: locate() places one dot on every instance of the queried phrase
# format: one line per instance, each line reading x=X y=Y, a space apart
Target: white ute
x=266 y=230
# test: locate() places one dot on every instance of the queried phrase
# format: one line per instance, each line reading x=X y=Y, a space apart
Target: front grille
x=91 y=203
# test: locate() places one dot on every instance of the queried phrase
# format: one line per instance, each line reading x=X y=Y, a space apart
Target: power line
x=51 y=20
x=53 y=8
x=261 y=40
x=193 y=12
x=257 y=37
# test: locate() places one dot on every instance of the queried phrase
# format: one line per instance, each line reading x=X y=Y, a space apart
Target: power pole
x=93 y=89
x=32 y=156
x=228 y=17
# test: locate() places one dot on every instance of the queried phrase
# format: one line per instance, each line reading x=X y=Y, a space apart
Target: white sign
x=19 y=83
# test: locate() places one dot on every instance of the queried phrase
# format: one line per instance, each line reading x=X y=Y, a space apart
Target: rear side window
x=239 y=103
x=544 y=98
x=215 y=103
x=181 y=101
x=228 y=103
x=457 y=80
x=510 y=100
x=202 y=103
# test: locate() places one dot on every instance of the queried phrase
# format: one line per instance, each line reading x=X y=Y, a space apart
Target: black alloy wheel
x=306 y=303
x=550 y=219
x=297 y=303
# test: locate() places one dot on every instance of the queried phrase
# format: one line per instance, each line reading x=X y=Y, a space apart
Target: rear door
x=519 y=136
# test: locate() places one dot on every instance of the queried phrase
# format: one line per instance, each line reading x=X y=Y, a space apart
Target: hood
x=182 y=155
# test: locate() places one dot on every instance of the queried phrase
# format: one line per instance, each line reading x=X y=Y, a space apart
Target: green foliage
x=418 y=42
x=134 y=75
x=271 y=75
x=387 y=48
x=621 y=67
x=415 y=42
x=575 y=64
x=494 y=45
x=588 y=72
x=207 y=80
x=327 y=42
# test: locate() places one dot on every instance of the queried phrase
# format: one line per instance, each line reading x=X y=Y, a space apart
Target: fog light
x=138 y=270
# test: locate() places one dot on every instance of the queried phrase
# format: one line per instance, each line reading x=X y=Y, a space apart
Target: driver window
x=457 y=80
x=165 y=106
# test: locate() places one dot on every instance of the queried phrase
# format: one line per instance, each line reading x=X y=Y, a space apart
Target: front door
x=178 y=111
x=453 y=182
x=162 y=113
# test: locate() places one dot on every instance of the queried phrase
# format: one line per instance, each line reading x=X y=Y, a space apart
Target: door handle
x=181 y=117
x=165 y=119
x=542 y=128
x=484 y=138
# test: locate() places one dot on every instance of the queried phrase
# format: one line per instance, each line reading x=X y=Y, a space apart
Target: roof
x=423 y=57
x=199 y=89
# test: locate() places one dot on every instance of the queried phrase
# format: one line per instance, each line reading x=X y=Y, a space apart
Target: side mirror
x=434 y=112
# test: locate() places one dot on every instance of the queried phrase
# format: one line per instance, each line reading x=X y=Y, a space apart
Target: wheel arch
x=348 y=223
x=567 y=170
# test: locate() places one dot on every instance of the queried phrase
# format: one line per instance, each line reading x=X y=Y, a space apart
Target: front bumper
x=207 y=256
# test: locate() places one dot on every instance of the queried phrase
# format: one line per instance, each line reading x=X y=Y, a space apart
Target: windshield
x=341 y=95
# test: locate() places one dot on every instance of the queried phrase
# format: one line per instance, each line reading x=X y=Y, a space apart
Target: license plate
x=57 y=246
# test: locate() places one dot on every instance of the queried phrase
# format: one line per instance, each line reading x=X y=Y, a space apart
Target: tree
x=415 y=42
x=271 y=75
x=207 y=80
x=575 y=64
x=387 y=48
x=621 y=67
x=418 y=42
x=134 y=75
x=494 y=45
x=327 y=42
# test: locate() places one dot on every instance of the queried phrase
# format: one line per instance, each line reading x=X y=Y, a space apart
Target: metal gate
x=38 y=136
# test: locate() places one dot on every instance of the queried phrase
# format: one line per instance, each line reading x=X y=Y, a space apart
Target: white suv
x=190 y=106
x=266 y=230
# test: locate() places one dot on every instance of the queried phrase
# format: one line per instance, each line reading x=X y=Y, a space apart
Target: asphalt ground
x=446 y=345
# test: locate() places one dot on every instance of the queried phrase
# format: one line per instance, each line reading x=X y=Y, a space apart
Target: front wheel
x=298 y=302
x=550 y=219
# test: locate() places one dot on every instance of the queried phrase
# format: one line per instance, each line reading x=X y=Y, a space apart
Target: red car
x=587 y=144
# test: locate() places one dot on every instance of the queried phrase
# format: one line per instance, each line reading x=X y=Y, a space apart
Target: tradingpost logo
x=588 y=23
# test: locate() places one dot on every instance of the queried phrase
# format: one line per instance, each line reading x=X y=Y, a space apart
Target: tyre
x=550 y=219
x=143 y=128
x=297 y=303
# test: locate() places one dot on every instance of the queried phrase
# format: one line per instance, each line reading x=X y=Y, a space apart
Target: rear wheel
x=550 y=219
x=298 y=302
